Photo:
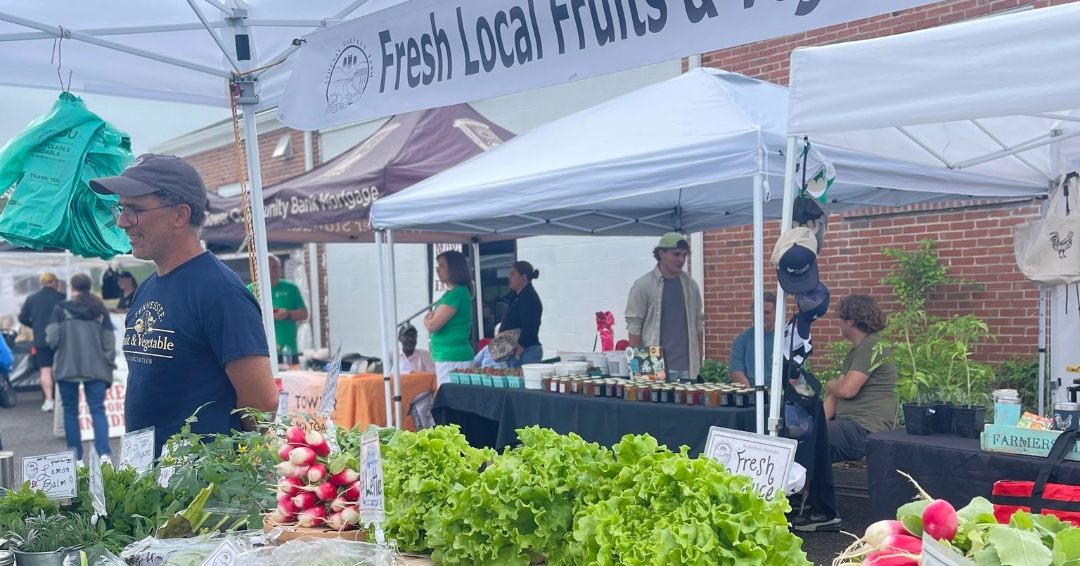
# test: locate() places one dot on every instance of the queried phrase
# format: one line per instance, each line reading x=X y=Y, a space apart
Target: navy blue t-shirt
x=181 y=330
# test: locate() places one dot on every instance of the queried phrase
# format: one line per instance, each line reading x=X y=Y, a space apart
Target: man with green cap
x=665 y=309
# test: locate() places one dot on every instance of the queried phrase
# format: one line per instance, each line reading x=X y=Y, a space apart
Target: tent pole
x=313 y=258
x=479 y=292
x=759 y=300
x=781 y=300
x=394 y=321
x=389 y=348
x=1055 y=170
x=258 y=227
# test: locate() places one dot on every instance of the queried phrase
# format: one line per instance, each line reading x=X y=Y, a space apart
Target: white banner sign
x=764 y=459
x=429 y=53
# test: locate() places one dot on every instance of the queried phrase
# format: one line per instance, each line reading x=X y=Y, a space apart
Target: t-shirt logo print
x=144 y=338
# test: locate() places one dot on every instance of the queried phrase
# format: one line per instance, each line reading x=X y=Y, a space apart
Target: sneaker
x=47 y=406
x=106 y=460
x=816 y=522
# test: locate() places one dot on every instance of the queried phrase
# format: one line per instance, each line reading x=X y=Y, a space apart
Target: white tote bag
x=1045 y=248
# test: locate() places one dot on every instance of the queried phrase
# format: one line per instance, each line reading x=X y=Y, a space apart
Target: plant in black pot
x=971 y=380
x=915 y=387
x=45 y=540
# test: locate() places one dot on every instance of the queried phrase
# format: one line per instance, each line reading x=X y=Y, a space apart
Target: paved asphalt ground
x=26 y=431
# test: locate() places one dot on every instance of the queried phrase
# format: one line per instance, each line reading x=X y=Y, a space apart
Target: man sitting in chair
x=413 y=359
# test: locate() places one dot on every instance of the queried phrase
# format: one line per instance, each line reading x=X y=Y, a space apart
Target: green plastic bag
x=50 y=165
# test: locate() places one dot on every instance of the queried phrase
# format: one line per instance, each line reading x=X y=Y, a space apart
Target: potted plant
x=46 y=540
x=914 y=385
x=971 y=381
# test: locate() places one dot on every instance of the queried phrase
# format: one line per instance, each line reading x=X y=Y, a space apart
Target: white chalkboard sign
x=935 y=553
x=764 y=459
x=372 y=502
x=53 y=474
x=137 y=449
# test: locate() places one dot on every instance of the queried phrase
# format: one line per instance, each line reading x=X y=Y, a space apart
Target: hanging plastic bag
x=50 y=164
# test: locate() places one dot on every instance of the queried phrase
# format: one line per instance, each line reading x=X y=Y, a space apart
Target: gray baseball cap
x=151 y=173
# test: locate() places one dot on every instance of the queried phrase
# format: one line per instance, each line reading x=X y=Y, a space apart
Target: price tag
x=329 y=394
x=224 y=555
x=372 y=507
x=137 y=449
x=935 y=553
x=165 y=475
x=97 y=485
x=764 y=459
x=53 y=474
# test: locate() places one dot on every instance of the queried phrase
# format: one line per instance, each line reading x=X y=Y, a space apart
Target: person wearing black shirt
x=524 y=313
x=127 y=283
x=36 y=313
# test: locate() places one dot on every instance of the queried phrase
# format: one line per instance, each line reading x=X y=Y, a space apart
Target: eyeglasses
x=132 y=214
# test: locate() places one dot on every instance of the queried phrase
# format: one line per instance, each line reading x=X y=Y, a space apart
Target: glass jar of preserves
x=654 y=393
x=588 y=388
x=741 y=400
x=680 y=395
x=630 y=391
x=727 y=397
x=643 y=388
x=710 y=397
x=563 y=385
x=545 y=383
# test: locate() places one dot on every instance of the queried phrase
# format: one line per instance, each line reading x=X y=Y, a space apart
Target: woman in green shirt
x=450 y=324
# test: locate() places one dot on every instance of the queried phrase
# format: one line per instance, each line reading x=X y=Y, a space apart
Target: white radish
x=302 y=456
x=344 y=477
x=296 y=436
x=312 y=517
x=318 y=443
x=290 y=486
x=305 y=500
x=876 y=534
x=316 y=473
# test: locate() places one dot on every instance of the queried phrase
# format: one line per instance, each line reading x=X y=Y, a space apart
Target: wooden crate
x=1023 y=441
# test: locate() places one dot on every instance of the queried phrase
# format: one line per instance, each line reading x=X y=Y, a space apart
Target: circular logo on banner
x=348 y=77
x=722 y=453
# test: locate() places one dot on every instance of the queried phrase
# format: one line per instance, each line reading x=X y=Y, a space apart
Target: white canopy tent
x=693 y=153
x=995 y=96
x=130 y=48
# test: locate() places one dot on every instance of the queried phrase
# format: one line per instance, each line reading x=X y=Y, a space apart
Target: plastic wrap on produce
x=186 y=551
x=94 y=556
x=310 y=551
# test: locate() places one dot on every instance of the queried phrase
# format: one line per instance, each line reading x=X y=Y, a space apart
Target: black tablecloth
x=489 y=416
x=947 y=467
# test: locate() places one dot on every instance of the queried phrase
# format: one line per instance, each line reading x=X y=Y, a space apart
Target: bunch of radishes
x=308 y=494
x=889 y=543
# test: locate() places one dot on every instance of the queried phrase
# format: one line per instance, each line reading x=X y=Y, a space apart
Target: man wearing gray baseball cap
x=193 y=336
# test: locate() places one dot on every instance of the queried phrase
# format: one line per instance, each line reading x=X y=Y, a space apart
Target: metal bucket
x=55 y=558
x=7 y=470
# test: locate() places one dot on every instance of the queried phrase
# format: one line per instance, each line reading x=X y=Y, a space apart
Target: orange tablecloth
x=360 y=398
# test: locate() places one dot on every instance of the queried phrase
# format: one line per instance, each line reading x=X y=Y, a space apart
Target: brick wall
x=218 y=167
x=974 y=241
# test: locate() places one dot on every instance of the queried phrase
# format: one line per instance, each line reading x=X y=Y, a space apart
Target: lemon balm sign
x=52 y=474
x=430 y=53
x=766 y=460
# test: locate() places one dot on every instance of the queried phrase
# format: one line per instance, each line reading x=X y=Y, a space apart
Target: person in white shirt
x=413 y=359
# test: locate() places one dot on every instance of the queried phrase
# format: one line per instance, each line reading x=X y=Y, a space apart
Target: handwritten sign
x=372 y=506
x=329 y=395
x=53 y=474
x=97 y=485
x=764 y=459
x=224 y=555
x=137 y=449
x=935 y=553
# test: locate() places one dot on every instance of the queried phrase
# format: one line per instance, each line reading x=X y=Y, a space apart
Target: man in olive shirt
x=289 y=307
x=863 y=399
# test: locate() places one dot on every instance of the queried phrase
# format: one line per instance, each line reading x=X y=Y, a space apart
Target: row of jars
x=647 y=391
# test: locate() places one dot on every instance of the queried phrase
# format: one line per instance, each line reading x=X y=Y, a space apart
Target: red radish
x=295 y=436
x=284 y=450
x=350 y=515
x=340 y=504
x=352 y=491
x=886 y=558
x=336 y=522
x=282 y=517
x=290 y=486
x=313 y=517
x=324 y=491
x=305 y=500
x=902 y=543
x=344 y=477
x=302 y=456
x=876 y=534
x=316 y=473
x=317 y=442
x=290 y=470
x=939 y=520
x=287 y=505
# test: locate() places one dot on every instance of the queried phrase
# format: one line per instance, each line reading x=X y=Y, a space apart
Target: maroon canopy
x=332 y=202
